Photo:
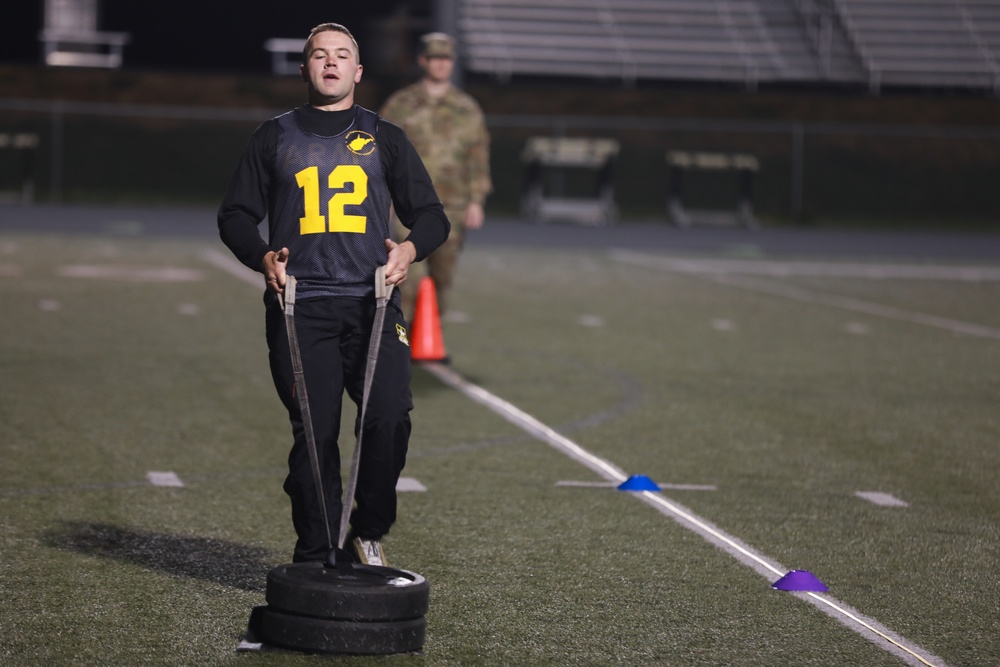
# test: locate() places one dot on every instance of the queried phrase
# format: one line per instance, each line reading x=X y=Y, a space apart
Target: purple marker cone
x=800 y=580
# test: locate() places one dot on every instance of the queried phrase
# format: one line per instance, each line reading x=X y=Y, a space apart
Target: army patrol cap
x=437 y=45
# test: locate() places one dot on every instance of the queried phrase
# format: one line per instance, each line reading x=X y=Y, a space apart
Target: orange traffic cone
x=425 y=333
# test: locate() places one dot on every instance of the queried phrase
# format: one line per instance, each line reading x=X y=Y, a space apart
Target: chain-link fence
x=810 y=173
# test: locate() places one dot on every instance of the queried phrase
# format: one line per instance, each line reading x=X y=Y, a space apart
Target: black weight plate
x=318 y=635
x=365 y=593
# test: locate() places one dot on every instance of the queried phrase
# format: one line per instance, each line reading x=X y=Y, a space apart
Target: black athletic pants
x=333 y=338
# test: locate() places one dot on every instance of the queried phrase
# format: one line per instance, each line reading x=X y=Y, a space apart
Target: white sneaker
x=369 y=552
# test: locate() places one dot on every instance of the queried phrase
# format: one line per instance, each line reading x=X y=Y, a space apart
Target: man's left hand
x=401 y=255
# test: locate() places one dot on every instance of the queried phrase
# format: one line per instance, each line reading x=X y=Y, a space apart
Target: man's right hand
x=275 y=264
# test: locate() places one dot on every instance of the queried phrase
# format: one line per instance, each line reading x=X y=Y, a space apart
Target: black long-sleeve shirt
x=247 y=199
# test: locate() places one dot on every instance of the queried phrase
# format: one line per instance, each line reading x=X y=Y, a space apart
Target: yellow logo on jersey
x=401 y=331
x=360 y=143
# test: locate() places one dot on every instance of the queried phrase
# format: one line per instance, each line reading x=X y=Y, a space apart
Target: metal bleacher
x=625 y=39
x=71 y=38
x=877 y=43
x=925 y=42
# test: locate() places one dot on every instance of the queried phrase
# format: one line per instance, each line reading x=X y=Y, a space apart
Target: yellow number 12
x=314 y=222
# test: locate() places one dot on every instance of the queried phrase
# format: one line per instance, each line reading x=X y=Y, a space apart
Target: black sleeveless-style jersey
x=330 y=207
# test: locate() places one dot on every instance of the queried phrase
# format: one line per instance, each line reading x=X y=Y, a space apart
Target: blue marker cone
x=800 y=580
x=638 y=483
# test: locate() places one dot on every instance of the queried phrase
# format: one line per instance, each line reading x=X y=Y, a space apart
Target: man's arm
x=413 y=196
x=245 y=203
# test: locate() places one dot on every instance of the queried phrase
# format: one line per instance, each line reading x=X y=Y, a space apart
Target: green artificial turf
x=786 y=407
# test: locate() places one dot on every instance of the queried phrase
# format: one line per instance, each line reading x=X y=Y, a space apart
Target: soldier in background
x=447 y=128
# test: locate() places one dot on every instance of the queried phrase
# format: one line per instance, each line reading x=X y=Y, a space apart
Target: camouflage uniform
x=451 y=138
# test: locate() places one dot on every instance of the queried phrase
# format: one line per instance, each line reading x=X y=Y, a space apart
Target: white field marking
x=457 y=317
x=188 y=309
x=720 y=324
x=672 y=487
x=163 y=274
x=813 y=297
x=247 y=645
x=857 y=328
x=880 y=498
x=788 y=269
x=164 y=478
x=49 y=305
x=410 y=484
x=593 y=321
x=10 y=271
x=870 y=629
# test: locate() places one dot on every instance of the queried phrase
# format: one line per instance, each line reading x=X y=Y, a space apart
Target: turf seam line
x=813 y=297
x=867 y=628
x=824 y=269
x=860 y=306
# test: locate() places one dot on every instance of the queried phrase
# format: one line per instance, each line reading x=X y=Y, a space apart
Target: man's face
x=331 y=69
x=438 y=69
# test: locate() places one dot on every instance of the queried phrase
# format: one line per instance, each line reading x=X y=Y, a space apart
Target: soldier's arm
x=478 y=160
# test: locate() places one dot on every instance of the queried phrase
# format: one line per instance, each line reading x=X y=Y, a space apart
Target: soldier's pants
x=440 y=265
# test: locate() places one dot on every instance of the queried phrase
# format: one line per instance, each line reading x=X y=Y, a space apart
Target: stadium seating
x=71 y=38
x=936 y=43
x=925 y=42
x=626 y=40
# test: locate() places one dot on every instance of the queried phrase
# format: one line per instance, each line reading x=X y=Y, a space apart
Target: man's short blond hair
x=329 y=27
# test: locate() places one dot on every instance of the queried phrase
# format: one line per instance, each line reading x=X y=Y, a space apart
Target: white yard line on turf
x=907 y=651
x=733 y=278
x=669 y=487
x=782 y=269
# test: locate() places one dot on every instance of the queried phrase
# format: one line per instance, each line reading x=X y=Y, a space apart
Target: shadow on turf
x=217 y=561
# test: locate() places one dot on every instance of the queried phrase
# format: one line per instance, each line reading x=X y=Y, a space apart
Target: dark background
x=935 y=166
x=205 y=35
